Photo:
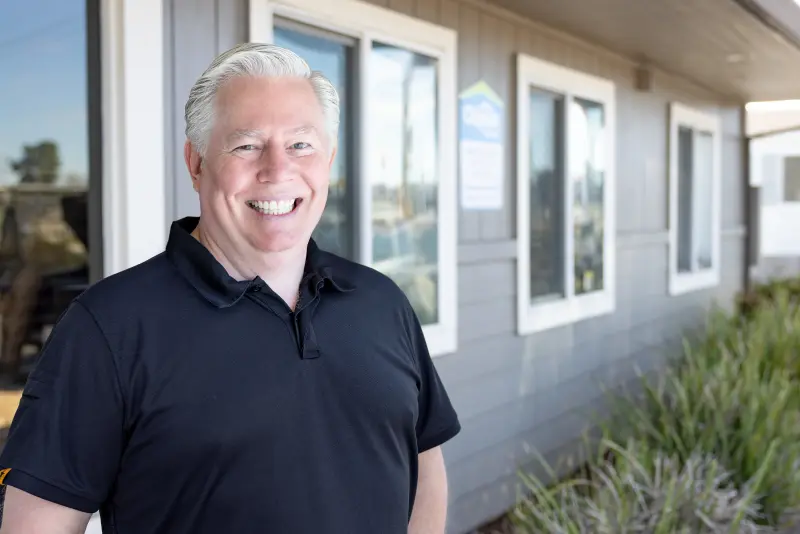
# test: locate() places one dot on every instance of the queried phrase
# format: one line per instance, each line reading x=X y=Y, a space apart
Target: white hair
x=256 y=60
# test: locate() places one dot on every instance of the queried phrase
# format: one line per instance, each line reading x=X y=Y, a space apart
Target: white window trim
x=367 y=22
x=681 y=283
x=134 y=172
x=537 y=317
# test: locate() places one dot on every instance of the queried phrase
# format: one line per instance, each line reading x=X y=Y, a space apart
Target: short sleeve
x=438 y=421
x=66 y=437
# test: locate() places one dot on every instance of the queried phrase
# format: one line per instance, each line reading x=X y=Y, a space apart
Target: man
x=242 y=381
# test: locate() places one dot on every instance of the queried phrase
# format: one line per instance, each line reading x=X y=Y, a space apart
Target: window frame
x=134 y=203
x=571 y=84
x=697 y=120
x=368 y=23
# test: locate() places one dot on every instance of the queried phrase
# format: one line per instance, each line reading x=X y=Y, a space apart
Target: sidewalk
x=94 y=525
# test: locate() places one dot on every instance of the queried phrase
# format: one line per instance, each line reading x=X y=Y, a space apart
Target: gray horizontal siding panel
x=482 y=282
x=771 y=268
x=485 y=319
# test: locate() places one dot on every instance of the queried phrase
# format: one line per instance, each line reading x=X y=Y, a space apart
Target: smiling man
x=243 y=380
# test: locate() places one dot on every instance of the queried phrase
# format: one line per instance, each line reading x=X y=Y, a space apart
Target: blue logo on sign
x=481 y=114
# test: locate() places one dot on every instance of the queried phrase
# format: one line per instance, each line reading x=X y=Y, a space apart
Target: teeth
x=272 y=207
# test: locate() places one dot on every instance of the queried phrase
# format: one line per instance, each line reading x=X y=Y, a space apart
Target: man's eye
x=246 y=148
x=300 y=146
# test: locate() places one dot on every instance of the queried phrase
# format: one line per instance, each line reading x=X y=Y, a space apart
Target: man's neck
x=281 y=271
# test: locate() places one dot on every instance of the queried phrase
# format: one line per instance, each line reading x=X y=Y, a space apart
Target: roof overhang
x=772 y=118
x=783 y=16
x=744 y=50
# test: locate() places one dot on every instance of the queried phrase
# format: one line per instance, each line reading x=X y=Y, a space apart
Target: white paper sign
x=481 y=152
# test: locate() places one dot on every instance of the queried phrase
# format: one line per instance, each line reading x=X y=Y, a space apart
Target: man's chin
x=278 y=244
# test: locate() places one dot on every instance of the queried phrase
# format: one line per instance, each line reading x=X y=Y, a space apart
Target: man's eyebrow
x=306 y=128
x=245 y=133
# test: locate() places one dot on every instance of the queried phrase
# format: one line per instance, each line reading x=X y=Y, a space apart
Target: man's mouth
x=274 y=207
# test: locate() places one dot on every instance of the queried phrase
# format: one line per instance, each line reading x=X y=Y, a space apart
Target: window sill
x=535 y=318
x=680 y=284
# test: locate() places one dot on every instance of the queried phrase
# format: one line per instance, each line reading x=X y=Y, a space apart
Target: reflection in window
x=695 y=200
x=546 y=195
x=791 y=179
x=332 y=55
x=403 y=173
x=587 y=148
x=44 y=176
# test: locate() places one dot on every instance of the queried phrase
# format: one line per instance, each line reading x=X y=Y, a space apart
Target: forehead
x=266 y=103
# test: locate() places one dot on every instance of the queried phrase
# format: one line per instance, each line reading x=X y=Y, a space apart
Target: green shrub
x=712 y=445
x=767 y=292
x=735 y=396
x=640 y=492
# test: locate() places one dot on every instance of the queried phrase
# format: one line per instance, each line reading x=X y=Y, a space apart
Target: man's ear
x=194 y=163
x=333 y=156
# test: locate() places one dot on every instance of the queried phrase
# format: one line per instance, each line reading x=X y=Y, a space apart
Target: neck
x=282 y=271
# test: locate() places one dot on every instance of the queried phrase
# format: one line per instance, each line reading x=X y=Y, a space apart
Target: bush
x=641 y=492
x=734 y=395
x=767 y=292
x=712 y=445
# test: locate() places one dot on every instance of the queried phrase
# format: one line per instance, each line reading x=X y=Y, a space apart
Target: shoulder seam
x=108 y=345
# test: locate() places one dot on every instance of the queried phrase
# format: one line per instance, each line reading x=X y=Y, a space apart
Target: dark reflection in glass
x=587 y=153
x=44 y=170
x=403 y=173
x=331 y=55
x=547 y=179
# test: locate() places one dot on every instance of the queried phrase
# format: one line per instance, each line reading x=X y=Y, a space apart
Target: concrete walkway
x=94 y=525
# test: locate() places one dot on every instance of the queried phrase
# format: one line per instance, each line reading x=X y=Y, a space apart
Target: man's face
x=263 y=182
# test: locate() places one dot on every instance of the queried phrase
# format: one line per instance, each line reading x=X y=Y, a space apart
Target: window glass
x=791 y=179
x=331 y=55
x=547 y=180
x=703 y=208
x=44 y=177
x=695 y=199
x=403 y=173
x=587 y=167
x=685 y=196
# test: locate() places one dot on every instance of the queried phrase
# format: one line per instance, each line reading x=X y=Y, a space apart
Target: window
x=791 y=179
x=694 y=200
x=392 y=195
x=565 y=195
x=49 y=252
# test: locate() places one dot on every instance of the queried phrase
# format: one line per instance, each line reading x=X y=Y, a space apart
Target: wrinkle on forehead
x=240 y=132
x=258 y=133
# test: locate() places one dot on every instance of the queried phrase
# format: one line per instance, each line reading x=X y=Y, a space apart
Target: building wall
x=516 y=393
x=776 y=268
x=779 y=225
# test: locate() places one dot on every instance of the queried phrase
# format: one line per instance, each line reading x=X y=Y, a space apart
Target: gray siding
x=517 y=393
x=772 y=268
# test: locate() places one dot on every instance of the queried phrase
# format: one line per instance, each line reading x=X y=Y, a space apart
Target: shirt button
x=255 y=288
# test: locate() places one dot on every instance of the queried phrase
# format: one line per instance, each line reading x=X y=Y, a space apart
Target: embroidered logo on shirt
x=3 y=474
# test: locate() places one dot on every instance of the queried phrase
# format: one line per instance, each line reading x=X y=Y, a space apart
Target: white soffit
x=768 y=117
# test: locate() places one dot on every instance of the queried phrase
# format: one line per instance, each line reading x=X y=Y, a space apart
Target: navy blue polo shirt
x=177 y=400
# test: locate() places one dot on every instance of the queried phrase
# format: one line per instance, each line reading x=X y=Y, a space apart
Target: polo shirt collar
x=207 y=275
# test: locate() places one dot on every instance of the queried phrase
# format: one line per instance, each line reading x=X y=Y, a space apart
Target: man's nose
x=275 y=164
